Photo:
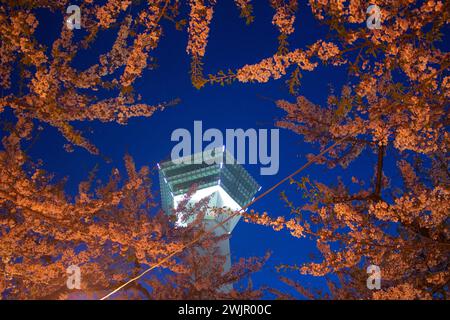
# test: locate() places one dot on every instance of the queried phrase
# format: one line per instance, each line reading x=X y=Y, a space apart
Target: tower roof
x=206 y=169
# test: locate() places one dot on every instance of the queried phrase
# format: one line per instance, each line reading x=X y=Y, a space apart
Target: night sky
x=232 y=44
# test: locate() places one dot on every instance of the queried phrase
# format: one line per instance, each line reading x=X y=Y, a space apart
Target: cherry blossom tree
x=394 y=103
x=112 y=231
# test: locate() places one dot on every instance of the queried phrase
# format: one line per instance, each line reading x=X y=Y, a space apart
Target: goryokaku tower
x=216 y=175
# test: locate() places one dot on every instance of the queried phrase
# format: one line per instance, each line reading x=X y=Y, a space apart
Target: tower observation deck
x=216 y=175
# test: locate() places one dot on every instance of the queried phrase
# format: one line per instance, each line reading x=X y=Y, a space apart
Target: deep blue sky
x=232 y=44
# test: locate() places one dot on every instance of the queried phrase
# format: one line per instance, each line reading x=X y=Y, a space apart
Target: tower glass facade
x=217 y=168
